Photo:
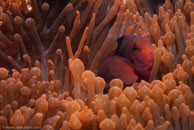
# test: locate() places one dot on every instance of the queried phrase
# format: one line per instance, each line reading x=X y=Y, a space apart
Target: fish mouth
x=139 y=66
x=139 y=63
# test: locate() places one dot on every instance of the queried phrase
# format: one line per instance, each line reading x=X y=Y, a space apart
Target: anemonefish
x=131 y=61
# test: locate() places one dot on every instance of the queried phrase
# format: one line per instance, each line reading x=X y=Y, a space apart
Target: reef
x=50 y=51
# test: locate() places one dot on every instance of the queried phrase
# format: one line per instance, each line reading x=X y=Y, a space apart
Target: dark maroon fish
x=130 y=62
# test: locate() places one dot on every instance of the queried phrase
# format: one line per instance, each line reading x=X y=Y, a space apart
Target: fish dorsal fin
x=123 y=46
x=119 y=41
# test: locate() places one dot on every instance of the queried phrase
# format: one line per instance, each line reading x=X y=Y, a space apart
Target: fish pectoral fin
x=122 y=70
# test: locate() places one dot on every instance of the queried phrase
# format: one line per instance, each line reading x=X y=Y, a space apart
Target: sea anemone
x=50 y=51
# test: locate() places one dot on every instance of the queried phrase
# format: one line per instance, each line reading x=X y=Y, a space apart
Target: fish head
x=139 y=53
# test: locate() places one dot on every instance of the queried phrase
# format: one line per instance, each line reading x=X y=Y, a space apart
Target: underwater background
x=51 y=52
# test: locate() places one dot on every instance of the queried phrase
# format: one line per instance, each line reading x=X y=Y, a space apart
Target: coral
x=50 y=51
